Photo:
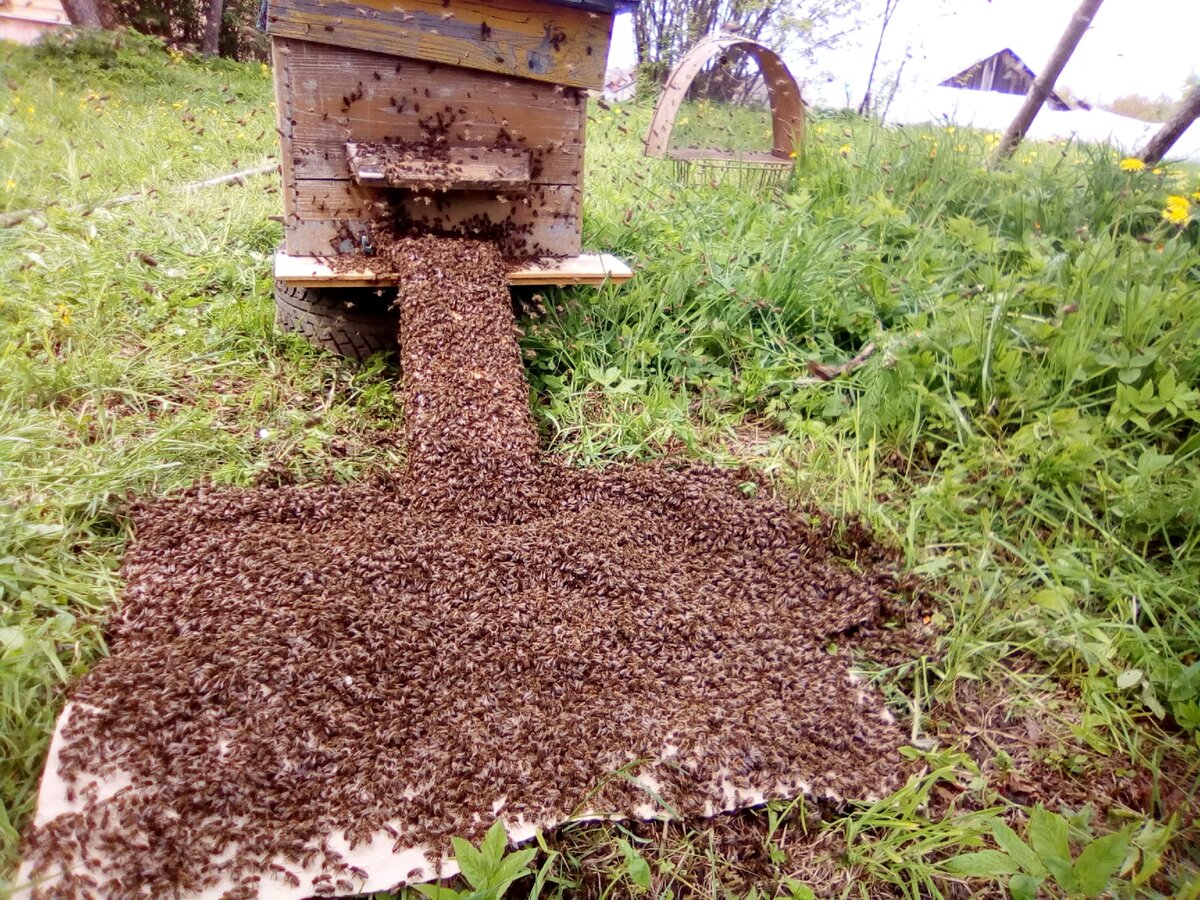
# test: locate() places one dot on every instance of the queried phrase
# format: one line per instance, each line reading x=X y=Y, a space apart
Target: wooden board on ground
x=588 y=268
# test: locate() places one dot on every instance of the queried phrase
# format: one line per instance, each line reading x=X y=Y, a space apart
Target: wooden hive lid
x=558 y=41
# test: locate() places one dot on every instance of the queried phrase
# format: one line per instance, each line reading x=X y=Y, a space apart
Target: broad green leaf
x=1129 y=678
x=1050 y=841
x=514 y=866
x=1020 y=852
x=1024 y=887
x=800 y=891
x=494 y=844
x=471 y=862
x=982 y=864
x=1099 y=861
x=636 y=867
x=437 y=892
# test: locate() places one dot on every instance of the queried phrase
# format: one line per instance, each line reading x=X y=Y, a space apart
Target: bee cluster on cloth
x=311 y=689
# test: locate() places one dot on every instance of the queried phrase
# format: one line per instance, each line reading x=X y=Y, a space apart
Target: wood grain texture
x=327 y=211
x=281 y=73
x=339 y=95
x=48 y=11
x=329 y=97
x=462 y=168
x=523 y=38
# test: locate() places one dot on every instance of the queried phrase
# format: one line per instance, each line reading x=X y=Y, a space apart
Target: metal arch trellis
x=750 y=167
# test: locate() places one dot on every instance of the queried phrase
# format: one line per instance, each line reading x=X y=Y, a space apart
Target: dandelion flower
x=1132 y=164
x=1178 y=210
x=10 y=184
x=64 y=314
x=844 y=149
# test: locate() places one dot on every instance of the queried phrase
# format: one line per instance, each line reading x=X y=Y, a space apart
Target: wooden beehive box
x=458 y=116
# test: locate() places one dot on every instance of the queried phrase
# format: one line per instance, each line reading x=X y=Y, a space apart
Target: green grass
x=1026 y=430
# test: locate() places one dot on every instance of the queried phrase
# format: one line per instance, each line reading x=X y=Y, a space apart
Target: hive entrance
x=311 y=689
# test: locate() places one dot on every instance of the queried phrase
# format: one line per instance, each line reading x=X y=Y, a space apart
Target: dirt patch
x=488 y=633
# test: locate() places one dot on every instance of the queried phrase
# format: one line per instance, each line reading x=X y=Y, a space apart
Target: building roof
x=1003 y=72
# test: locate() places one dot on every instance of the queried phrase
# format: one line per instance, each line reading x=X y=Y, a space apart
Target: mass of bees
x=487 y=633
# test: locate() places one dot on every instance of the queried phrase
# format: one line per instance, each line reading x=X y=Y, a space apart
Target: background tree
x=665 y=29
x=889 y=9
x=90 y=13
x=1044 y=83
x=189 y=24
x=211 y=43
x=1185 y=115
x=1139 y=106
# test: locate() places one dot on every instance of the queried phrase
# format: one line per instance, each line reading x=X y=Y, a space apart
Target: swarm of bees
x=487 y=633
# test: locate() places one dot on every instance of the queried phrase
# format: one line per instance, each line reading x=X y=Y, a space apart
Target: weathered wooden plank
x=342 y=95
x=281 y=73
x=524 y=38
x=48 y=11
x=587 y=268
x=328 y=161
x=321 y=237
x=461 y=168
x=545 y=222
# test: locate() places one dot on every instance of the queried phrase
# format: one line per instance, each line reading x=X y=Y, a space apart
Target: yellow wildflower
x=264 y=68
x=10 y=184
x=950 y=129
x=844 y=150
x=1196 y=196
x=960 y=148
x=1178 y=210
x=30 y=110
x=682 y=121
x=1132 y=164
x=64 y=314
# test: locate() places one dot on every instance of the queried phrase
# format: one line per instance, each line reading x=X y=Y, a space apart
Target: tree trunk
x=90 y=13
x=889 y=7
x=210 y=44
x=1044 y=83
x=1184 y=116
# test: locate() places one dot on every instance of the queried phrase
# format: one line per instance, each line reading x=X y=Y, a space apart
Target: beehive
x=456 y=116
